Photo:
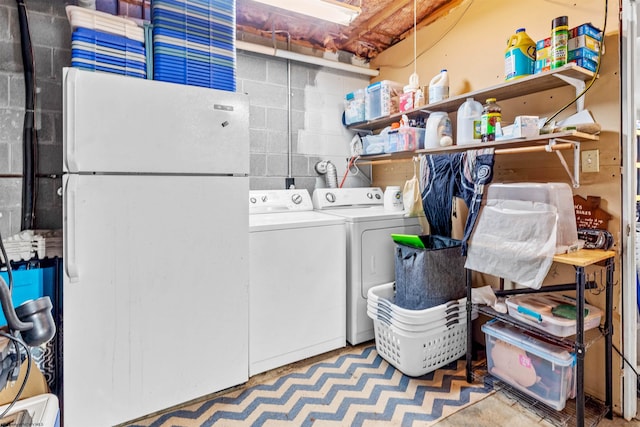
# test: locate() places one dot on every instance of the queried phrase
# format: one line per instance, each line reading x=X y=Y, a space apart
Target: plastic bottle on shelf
x=559 y=41
x=439 y=87
x=490 y=120
x=520 y=56
x=419 y=98
x=468 y=124
x=438 y=131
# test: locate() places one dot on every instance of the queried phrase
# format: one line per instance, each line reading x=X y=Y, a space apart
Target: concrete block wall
x=316 y=112
x=50 y=37
x=316 y=128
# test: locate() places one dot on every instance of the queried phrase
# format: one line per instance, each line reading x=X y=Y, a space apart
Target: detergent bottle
x=520 y=56
x=439 y=87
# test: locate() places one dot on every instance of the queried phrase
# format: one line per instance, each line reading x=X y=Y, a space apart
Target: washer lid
x=373 y=213
x=291 y=220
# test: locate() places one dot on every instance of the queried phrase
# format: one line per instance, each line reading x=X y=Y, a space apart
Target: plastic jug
x=438 y=132
x=392 y=198
x=468 y=125
x=439 y=87
x=520 y=56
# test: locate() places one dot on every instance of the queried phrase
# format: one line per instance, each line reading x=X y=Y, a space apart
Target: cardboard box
x=583 y=53
x=584 y=41
x=586 y=29
x=544 y=53
x=36 y=385
x=525 y=126
x=541 y=44
x=587 y=64
x=542 y=65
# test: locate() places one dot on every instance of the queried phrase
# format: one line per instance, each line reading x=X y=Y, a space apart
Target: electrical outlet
x=591 y=161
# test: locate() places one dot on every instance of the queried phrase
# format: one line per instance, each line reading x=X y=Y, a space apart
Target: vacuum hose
x=29 y=140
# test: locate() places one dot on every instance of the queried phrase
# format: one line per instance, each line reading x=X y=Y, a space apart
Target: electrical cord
x=18 y=341
x=595 y=74
x=29 y=135
x=7 y=263
x=447 y=31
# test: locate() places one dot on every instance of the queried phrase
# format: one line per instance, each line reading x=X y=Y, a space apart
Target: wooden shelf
x=584 y=257
x=539 y=140
x=519 y=87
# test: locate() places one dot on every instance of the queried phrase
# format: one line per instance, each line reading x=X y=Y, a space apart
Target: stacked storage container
x=194 y=42
x=417 y=342
x=584 y=45
x=103 y=42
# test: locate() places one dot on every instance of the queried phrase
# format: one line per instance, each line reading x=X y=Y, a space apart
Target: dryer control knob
x=296 y=199
x=264 y=198
x=331 y=198
x=252 y=200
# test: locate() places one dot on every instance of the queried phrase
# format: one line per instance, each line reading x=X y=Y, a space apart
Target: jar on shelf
x=490 y=120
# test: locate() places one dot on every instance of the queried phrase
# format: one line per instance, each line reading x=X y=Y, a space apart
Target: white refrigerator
x=155 y=288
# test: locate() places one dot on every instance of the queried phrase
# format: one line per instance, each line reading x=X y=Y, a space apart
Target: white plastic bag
x=412 y=199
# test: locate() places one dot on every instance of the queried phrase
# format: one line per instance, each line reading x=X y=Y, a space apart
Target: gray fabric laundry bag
x=431 y=276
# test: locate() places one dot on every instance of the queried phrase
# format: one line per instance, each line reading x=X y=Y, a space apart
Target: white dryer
x=370 y=248
x=297 y=279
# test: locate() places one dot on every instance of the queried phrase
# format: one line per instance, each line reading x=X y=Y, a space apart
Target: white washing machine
x=370 y=248
x=297 y=279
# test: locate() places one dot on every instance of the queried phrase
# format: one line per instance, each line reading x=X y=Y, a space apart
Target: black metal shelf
x=590 y=337
x=594 y=409
x=579 y=342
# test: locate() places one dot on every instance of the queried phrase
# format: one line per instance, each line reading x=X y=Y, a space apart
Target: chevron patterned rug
x=356 y=388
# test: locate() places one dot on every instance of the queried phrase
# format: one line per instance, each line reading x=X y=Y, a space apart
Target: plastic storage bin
x=552 y=313
x=554 y=193
x=43 y=409
x=27 y=285
x=381 y=99
x=354 y=107
x=374 y=144
x=405 y=139
x=540 y=369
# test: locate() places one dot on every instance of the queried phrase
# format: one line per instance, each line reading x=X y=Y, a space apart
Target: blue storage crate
x=29 y=285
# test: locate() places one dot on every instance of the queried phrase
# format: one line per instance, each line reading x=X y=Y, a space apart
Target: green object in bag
x=408 y=240
x=567 y=311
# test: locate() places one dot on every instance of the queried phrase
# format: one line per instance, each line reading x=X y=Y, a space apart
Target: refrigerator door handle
x=70 y=265
x=68 y=100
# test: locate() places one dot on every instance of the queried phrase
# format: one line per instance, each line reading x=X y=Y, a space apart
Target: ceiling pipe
x=307 y=59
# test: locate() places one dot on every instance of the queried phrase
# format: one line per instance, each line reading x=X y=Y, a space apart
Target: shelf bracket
x=574 y=175
x=579 y=85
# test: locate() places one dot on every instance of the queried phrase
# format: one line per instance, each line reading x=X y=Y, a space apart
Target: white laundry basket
x=419 y=341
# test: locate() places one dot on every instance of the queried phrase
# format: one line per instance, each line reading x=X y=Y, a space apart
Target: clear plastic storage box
x=552 y=313
x=540 y=369
x=381 y=99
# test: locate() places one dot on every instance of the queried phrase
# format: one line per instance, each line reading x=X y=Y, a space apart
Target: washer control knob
x=369 y=196
x=252 y=200
x=264 y=198
x=296 y=199
x=331 y=198
x=378 y=196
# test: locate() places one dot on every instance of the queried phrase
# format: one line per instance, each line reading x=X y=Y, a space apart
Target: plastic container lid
x=519 y=338
x=560 y=21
